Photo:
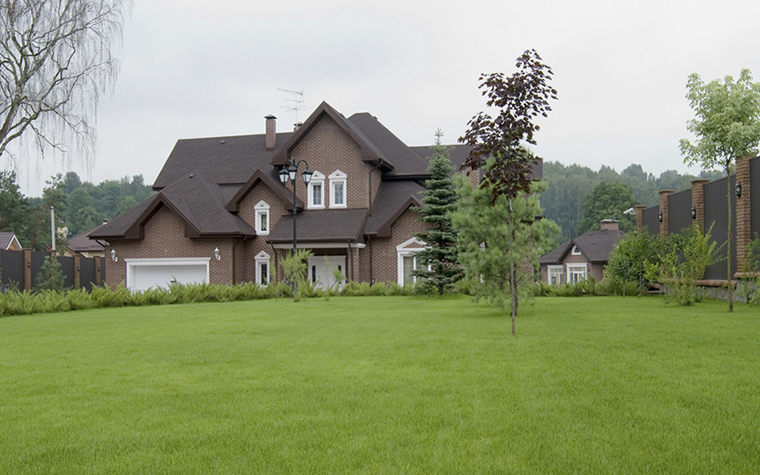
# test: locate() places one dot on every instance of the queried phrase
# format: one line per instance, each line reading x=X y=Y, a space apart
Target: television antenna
x=297 y=102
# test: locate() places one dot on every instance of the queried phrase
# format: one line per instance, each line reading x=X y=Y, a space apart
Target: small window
x=575 y=251
x=262 y=218
x=262 y=268
x=338 y=189
x=316 y=191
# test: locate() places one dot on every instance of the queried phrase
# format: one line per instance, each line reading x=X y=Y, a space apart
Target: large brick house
x=222 y=215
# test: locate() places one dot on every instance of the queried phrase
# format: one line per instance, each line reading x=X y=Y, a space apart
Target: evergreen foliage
x=50 y=276
x=440 y=201
x=500 y=243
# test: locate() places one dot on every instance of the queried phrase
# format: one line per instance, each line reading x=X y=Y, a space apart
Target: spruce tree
x=441 y=242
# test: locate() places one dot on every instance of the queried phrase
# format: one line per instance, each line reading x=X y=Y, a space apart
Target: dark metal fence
x=754 y=173
x=716 y=212
x=21 y=270
x=652 y=220
x=679 y=211
x=11 y=269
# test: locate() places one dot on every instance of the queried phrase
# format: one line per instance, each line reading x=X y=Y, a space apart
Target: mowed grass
x=383 y=385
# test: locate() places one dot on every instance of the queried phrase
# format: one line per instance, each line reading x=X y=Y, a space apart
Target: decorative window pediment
x=316 y=191
x=338 y=189
x=262 y=218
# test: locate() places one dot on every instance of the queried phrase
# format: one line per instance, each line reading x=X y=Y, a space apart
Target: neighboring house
x=583 y=257
x=9 y=242
x=221 y=214
x=82 y=245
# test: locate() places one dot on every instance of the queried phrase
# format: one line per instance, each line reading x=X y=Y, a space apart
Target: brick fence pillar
x=698 y=201
x=77 y=274
x=98 y=274
x=664 y=194
x=27 y=269
x=640 y=217
x=743 y=214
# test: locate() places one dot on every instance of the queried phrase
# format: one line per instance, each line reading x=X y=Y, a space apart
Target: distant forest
x=568 y=186
x=79 y=205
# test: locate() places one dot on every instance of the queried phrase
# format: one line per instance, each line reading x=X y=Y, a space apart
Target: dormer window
x=316 y=191
x=262 y=218
x=337 y=189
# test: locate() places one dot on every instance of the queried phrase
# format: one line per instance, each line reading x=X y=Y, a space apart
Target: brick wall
x=165 y=238
x=328 y=148
x=384 y=254
x=247 y=212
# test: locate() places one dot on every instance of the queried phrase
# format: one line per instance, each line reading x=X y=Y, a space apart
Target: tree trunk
x=512 y=284
x=730 y=238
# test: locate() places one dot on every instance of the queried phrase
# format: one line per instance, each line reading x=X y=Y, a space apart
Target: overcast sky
x=193 y=68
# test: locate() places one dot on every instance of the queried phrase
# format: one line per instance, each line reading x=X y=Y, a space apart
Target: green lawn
x=383 y=385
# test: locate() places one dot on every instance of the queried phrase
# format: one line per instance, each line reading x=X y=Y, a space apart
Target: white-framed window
x=262 y=268
x=554 y=275
x=576 y=273
x=408 y=261
x=337 y=189
x=316 y=191
x=262 y=218
x=575 y=251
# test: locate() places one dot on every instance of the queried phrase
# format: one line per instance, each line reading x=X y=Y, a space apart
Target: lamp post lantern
x=287 y=173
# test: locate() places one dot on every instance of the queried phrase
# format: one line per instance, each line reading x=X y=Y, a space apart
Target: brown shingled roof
x=332 y=225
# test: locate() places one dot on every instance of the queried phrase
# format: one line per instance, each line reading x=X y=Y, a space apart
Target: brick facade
x=164 y=238
x=327 y=148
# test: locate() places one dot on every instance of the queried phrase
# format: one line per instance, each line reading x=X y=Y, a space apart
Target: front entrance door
x=322 y=271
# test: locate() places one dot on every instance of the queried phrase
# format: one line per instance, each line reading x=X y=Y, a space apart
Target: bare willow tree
x=55 y=60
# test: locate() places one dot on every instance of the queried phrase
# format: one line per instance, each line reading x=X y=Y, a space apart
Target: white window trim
x=338 y=177
x=316 y=179
x=549 y=270
x=407 y=248
x=262 y=208
x=575 y=251
x=572 y=269
x=146 y=261
x=262 y=258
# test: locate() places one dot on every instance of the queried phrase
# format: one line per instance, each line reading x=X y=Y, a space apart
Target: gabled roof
x=555 y=256
x=332 y=225
x=231 y=159
x=595 y=246
x=196 y=198
x=367 y=149
x=598 y=245
x=272 y=181
x=393 y=198
x=83 y=243
x=8 y=239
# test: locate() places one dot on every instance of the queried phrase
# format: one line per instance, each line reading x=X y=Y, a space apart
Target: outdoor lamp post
x=288 y=172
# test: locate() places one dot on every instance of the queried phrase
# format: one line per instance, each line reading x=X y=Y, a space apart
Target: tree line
x=79 y=205
x=577 y=198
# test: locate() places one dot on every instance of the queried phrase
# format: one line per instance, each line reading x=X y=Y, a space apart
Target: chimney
x=610 y=225
x=271 y=131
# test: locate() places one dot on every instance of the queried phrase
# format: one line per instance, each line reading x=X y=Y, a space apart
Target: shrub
x=50 y=276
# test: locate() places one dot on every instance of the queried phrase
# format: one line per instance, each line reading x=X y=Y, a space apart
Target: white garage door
x=143 y=274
